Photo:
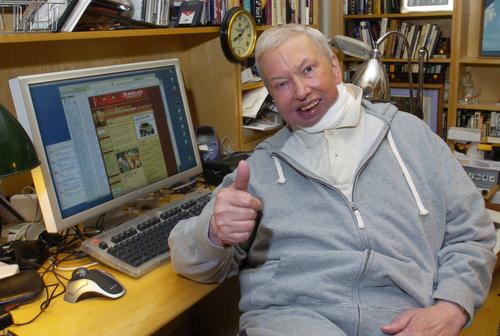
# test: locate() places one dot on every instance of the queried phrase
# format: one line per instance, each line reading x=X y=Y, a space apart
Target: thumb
x=242 y=176
x=397 y=325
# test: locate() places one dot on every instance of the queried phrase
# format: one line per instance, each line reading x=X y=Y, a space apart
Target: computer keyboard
x=140 y=244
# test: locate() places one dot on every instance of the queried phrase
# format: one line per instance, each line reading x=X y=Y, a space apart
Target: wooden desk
x=151 y=302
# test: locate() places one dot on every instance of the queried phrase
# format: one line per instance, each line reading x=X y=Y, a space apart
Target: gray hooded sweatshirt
x=413 y=230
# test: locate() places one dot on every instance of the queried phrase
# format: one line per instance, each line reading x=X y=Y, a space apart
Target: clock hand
x=241 y=33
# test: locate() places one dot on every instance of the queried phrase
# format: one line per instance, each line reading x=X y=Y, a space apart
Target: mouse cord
x=49 y=295
x=44 y=305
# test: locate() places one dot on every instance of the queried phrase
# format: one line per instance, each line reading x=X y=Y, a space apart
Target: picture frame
x=432 y=103
x=409 y=6
x=490 y=39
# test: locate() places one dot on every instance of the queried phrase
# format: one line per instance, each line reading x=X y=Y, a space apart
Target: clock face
x=238 y=34
x=242 y=35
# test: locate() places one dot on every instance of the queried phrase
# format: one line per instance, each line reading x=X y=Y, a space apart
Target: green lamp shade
x=17 y=153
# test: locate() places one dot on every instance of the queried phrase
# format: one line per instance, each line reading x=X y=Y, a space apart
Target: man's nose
x=302 y=88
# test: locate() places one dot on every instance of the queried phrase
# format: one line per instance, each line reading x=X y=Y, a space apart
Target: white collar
x=345 y=112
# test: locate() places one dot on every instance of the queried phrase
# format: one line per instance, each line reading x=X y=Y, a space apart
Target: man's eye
x=308 y=69
x=280 y=85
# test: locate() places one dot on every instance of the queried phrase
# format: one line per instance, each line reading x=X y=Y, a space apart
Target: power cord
x=184 y=188
x=68 y=245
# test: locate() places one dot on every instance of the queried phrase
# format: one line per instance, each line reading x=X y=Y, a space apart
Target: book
x=189 y=13
x=390 y=41
x=377 y=7
x=366 y=35
x=351 y=7
x=493 y=139
x=383 y=29
x=258 y=12
x=414 y=51
x=247 y=5
x=400 y=44
x=410 y=38
x=268 y=14
x=278 y=16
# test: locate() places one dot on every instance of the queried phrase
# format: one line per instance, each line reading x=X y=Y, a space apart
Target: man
x=354 y=219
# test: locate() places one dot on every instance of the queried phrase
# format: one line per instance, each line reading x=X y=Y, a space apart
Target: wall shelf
x=251 y=86
x=483 y=106
x=400 y=60
x=92 y=35
x=481 y=61
x=405 y=16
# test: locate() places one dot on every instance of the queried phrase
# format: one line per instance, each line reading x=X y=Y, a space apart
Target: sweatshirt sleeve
x=466 y=259
x=195 y=257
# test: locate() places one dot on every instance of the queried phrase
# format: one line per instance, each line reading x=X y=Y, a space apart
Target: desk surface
x=150 y=303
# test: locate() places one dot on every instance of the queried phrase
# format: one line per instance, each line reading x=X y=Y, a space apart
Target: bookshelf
x=440 y=67
x=463 y=26
x=485 y=71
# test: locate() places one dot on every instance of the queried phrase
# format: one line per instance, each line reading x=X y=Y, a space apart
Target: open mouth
x=308 y=111
x=309 y=106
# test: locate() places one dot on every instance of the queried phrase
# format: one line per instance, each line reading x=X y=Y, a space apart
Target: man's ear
x=337 y=72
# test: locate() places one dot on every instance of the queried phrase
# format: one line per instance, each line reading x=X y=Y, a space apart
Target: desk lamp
x=18 y=153
x=372 y=76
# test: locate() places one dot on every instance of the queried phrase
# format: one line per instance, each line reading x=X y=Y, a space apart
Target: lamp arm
x=407 y=46
x=422 y=52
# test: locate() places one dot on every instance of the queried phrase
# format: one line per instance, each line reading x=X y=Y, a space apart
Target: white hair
x=274 y=37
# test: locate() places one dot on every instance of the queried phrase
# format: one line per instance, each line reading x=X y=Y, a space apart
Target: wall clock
x=238 y=34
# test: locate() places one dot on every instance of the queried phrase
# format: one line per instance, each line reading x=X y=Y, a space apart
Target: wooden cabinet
x=463 y=26
x=212 y=83
x=485 y=70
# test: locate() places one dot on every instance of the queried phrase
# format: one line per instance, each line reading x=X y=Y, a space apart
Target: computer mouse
x=86 y=283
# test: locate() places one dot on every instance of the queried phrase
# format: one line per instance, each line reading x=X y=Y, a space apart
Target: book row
x=167 y=12
x=488 y=122
x=276 y=12
x=398 y=72
x=211 y=12
x=352 y=7
x=428 y=36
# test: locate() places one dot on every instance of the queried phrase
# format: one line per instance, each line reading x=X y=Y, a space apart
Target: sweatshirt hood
x=381 y=112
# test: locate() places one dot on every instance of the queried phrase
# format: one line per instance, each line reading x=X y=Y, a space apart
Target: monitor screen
x=105 y=136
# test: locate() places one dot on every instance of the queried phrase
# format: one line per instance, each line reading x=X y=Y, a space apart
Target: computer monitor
x=105 y=136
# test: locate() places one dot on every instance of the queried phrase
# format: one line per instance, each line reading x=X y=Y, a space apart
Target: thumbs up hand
x=235 y=211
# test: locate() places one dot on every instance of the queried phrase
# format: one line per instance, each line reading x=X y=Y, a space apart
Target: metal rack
x=17 y=16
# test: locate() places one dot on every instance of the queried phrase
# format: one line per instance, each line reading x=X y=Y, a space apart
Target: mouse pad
x=21 y=287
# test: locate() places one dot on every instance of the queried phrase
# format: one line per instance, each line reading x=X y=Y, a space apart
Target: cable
x=181 y=188
x=68 y=245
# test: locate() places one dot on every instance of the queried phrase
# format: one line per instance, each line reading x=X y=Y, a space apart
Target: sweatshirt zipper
x=357 y=214
x=361 y=276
